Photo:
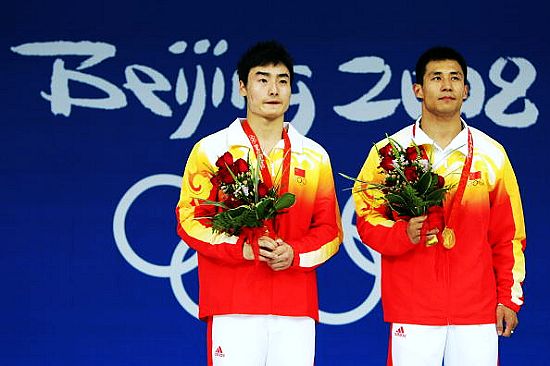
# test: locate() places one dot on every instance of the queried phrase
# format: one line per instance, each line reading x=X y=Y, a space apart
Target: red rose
x=226 y=177
x=411 y=152
x=411 y=174
x=386 y=151
x=240 y=166
x=262 y=190
x=215 y=180
x=440 y=181
x=225 y=160
x=387 y=163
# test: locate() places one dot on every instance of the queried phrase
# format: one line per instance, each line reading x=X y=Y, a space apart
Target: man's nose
x=446 y=84
x=273 y=89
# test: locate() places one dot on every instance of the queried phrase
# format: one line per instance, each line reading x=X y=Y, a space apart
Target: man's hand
x=278 y=254
x=282 y=258
x=509 y=318
x=414 y=228
x=267 y=245
x=248 y=254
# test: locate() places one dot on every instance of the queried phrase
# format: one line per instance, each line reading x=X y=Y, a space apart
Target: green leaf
x=352 y=178
x=263 y=207
x=213 y=203
x=437 y=196
x=395 y=199
x=285 y=201
x=255 y=173
x=424 y=183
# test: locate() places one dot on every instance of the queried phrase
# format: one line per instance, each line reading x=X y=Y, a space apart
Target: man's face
x=443 y=90
x=267 y=91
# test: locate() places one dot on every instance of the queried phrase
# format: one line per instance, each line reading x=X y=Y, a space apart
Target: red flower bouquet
x=410 y=188
x=241 y=199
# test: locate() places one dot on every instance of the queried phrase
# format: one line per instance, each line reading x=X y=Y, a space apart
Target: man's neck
x=268 y=132
x=441 y=129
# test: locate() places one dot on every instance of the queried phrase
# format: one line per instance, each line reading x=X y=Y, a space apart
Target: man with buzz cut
x=450 y=301
x=262 y=312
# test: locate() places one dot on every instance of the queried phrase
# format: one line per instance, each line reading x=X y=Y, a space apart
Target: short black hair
x=262 y=54
x=439 y=53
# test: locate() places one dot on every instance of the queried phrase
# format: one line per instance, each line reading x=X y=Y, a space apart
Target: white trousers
x=454 y=345
x=262 y=340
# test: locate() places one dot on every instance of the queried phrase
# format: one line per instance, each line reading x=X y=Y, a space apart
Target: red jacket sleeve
x=323 y=234
x=507 y=238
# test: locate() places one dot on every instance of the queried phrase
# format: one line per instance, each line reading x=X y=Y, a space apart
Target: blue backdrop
x=102 y=101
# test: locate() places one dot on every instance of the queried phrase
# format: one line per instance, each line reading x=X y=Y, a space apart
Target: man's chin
x=272 y=114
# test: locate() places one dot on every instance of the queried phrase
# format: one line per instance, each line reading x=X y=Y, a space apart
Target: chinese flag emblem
x=300 y=172
x=475 y=175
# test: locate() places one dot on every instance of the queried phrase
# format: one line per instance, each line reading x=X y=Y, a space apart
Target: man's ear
x=418 y=92
x=242 y=89
x=466 y=92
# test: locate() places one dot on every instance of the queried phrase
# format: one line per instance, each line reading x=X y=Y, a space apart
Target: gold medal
x=431 y=242
x=449 y=239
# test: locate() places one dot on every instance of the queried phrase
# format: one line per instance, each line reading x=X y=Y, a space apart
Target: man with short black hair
x=448 y=302
x=262 y=311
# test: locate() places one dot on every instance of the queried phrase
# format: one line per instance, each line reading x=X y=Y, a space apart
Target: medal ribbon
x=266 y=176
x=457 y=199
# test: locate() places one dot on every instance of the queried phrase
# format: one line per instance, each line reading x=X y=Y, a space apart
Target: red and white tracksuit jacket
x=462 y=285
x=229 y=284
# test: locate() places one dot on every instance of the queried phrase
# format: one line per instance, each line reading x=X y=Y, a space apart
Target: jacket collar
x=460 y=142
